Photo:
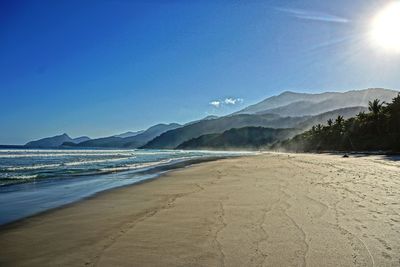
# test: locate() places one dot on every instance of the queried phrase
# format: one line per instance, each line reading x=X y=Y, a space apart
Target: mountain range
x=287 y=110
x=172 y=139
x=301 y=104
x=129 y=134
x=242 y=138
x=134 y=141
x=55 y=141
x=298 y=111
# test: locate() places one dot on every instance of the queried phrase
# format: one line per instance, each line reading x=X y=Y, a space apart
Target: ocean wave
x=84 y=153
x=87 y=162
x=74 y=163
x=49 y=155
x=60 y=173
x=127 y=167
x=32 y=167
x=136 y=166
x=64 y=150
x=20 y=177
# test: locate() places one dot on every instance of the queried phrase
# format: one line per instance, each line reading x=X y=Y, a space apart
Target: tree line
x=378 y=129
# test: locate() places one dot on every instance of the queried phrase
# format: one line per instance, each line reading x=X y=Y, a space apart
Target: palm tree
x=339 y=120
x=375 y=106
x=362 y=116
x=330 y=122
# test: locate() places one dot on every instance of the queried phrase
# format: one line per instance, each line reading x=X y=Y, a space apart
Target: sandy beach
x=265 y=210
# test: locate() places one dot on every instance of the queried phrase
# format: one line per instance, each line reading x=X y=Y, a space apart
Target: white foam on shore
x=21 y=177
x=48 y=155
x=33 y=167
x=145 y=165
x=62 y=153
x=75 y=163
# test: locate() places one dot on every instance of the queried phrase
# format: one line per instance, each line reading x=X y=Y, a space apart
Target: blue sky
x=99 y=68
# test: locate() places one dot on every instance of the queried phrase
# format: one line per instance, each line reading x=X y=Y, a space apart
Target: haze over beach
x=200 y=133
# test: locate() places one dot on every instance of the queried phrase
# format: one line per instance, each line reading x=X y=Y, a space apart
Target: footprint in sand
x=386 y=256
x=384 y=243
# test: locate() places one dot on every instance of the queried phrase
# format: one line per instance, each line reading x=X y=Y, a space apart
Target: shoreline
x=268 y=210
x=148 y=175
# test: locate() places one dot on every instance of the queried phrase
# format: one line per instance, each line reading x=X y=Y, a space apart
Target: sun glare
x=386 y=27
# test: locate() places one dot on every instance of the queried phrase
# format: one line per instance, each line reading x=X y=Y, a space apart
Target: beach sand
x=265 y=210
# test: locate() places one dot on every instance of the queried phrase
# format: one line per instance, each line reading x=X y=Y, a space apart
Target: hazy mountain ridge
x=174 y=138
x=324 y=117
x=129 y=134
x=283 y=99
x=107 y=142
x=375 y=130
x=241 y=138
x=55 y=141
x=280 y=134
x=81 y=139
x=287 y=110
x=210 y=117
x=302 y=104
x=132 y=141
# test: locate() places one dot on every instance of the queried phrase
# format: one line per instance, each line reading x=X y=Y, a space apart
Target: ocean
x=36 y=180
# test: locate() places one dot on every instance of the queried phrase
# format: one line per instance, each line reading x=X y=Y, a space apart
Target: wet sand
x=266 y=210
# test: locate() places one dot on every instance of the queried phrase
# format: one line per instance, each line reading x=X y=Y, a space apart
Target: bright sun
x=386 y=27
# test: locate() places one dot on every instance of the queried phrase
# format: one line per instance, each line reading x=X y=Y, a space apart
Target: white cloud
x=227 y=101
x=215 y=103
x=233 y=101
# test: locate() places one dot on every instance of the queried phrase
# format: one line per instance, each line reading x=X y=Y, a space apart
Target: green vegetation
x=172 y=139
x=378 y=129
x=242 y=138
